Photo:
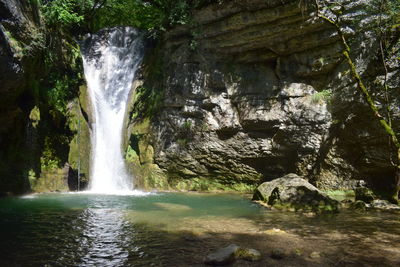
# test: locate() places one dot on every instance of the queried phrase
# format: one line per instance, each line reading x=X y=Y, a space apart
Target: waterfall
x=110 y=59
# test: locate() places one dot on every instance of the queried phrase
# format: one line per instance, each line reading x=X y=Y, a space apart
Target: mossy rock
x=364 y=194
x=358 y=205
x=53 y=180
x=80 y=146
x=293 y=193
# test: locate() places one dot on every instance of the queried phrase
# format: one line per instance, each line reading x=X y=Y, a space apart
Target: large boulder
x=294 y=193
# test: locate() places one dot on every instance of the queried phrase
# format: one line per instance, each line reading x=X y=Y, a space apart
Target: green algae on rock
x=292 y=192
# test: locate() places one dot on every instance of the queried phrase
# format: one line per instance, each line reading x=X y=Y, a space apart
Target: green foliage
x=32 y=177
x=63 y=13
x=394 y=9
x=185 y=133
x=21 y=48
x=154 y=16
x=59 y=90
x=37 y=42
x=322 y=96
x=92 y=15
x=187 y=126
x=49 y=159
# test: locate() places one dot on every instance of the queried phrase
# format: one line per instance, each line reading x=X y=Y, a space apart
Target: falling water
x=110 y=60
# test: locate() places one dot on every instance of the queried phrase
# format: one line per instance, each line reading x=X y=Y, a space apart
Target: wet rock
x=315 y=255
x=222 y=256
x=383 y=205
x=248 y=254
x=293 y=192
x=364 y=194
x=358 y=205
x=278 y=254
x=230 y=253
x=196 y=236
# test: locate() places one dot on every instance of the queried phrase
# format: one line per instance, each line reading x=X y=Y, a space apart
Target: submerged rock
x=358 y=205
x=294 y=193
x=230 y=253
x=278 y=254
x=222 y=256
x=315 y=255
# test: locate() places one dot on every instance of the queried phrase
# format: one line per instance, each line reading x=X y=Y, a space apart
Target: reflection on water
x=105 y=238
x=179 y=229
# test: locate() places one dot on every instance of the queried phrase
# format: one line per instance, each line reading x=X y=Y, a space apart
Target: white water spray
x=110 y=60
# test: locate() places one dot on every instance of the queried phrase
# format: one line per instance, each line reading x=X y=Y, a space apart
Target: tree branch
x=360 y=84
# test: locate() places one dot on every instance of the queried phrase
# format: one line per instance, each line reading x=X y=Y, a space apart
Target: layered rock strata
x=253 y=90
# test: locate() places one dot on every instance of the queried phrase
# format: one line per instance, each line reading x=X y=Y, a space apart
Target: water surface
x=178 y=229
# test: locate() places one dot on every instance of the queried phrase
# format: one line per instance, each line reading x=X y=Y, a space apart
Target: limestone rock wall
x=252 y=90
x=38 y=148
x=19 y=32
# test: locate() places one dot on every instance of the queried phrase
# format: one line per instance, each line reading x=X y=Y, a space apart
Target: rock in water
x=277 y=254
x=364 y=194
x=383 y=205
x=315 y=255
x=230 y=253
x=358 y=205
x=248 y=254
x=222 y=256
x=294 y=193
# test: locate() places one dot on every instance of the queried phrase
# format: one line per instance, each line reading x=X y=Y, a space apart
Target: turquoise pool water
x=179 y=229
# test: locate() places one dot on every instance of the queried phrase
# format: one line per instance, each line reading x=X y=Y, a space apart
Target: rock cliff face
x=252 y=90
x=36 y=139
x=19 y=36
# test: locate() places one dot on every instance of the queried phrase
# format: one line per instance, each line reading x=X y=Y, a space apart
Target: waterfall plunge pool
x=179 y=229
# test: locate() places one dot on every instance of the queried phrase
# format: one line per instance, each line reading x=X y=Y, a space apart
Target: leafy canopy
x=92 y=15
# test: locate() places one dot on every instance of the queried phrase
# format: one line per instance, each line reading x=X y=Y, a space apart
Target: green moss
x=322 y=208
x=340 y=194
x=50 y=181
x=32 y=177
x=148 y=176
x=79 y=146
x=131 y=155
x=148 y=97
x=205 y=184
x=142 y=127
x=34 y=116
x=15 y=45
